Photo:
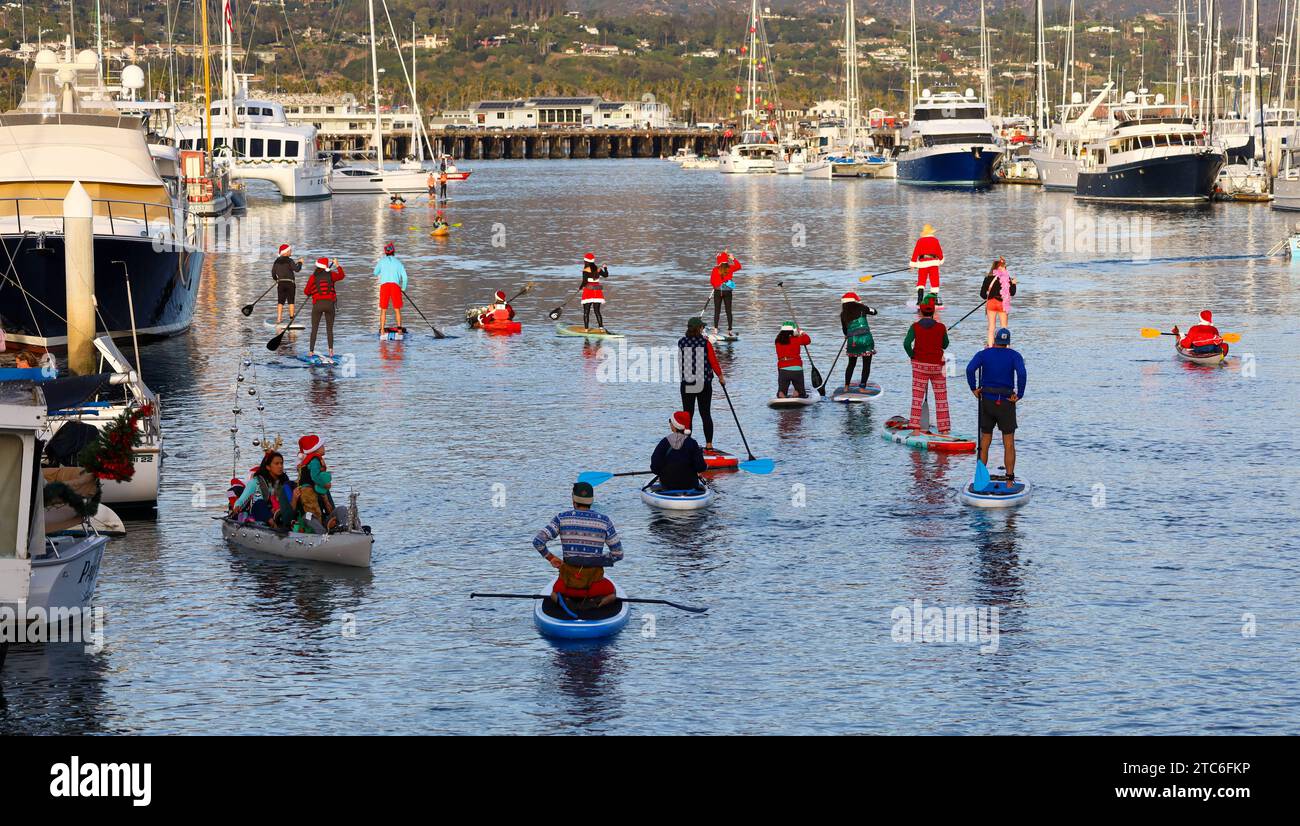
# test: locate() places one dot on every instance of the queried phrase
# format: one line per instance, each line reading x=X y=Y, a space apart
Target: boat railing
x=134 y=218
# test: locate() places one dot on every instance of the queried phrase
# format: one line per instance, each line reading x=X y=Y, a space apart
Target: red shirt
x=1201 y=334
x=322 y=290
x=722 y=272
x=927 y=247
x=787 y=355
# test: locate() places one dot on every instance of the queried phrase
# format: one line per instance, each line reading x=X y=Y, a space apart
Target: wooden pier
x=543 y=144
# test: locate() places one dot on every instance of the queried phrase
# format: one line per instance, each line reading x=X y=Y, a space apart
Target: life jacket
x=501 y=314
x=927 y=343
x=321 y=286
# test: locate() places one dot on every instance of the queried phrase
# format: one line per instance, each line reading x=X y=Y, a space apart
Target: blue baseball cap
x=1002 y=336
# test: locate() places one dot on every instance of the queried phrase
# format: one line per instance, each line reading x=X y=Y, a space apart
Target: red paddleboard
x=898 y=432
x=720 y=460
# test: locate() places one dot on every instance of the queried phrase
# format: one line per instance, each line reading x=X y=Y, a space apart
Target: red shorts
x=599 y=588
x=390 y=295
x=995 y=306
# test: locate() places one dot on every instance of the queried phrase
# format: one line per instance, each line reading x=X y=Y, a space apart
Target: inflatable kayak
x=585 y=332
x=794 y=401
x=857 y=393
x=720 y=460
x=439 y=232
x=554 y=621
x=393 y=334
x=998 y=494
x=271 y=324
x=898 y=432
x=677 y=500
x=1200 y=358
x=397 y=206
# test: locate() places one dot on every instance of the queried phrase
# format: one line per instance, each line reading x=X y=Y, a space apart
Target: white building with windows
x=567 y=113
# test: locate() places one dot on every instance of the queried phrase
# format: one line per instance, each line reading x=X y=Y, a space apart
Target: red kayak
x=720 y=460
x=501 y=328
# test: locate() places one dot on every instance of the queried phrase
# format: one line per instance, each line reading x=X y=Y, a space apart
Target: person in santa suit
x=498 y=311
x=1202 y=337
x=723 y=280
x=927 y=257
x=593 y=292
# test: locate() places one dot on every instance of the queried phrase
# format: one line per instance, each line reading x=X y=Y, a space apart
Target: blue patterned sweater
x=583 y=535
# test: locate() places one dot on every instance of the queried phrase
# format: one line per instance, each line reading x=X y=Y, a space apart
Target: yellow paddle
x=866 y=278
x=1151 y=332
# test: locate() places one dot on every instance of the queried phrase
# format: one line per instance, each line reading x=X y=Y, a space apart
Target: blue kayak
x=554 y=621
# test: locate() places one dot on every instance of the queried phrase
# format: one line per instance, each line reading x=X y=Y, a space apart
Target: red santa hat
x=236 y=482
x=499 y=295
x=285 y=249
x=590 y=258
x=849 y=297
x=389 y=248
x=680 y=422
x=324 y=263
x=309 y=446
x=723 y=258
x=1207 y=317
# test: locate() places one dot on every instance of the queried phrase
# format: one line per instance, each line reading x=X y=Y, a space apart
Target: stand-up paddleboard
x=656 y=496
x=898 y=432
x=790 y=402
x=584 y=332
x=393 y=334
x=723 y=338
x=317 y=360
x=270 y=323
x=720 y=460
x=560 y=622
x=937 y=307
x=857 y=393
x=985 y=491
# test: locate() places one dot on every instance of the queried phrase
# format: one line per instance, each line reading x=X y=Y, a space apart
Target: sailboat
x=844 y=157
x=757 y=149
x=360 y=179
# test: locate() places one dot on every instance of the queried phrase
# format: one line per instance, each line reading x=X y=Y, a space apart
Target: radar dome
x=1077 y=97
x=132 y=77
x=87 y=57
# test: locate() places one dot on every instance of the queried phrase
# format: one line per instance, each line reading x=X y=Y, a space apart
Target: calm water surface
x=1163 y=521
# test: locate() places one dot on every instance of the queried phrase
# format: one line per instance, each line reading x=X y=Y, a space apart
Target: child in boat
x=678 y=459
x=997 y=289
x=1203 y=337
x=499 y=311
x=314 y=482
x=439 y=221
x=789 y=365
x=396 y=200
x=584 y=536
x=268 y=494
x=857 y=332
x=593 y=293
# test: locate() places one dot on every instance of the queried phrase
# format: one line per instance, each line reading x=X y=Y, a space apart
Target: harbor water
x=1148 y=587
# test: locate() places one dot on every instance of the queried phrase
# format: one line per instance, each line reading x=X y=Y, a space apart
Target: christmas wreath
x=111 y=456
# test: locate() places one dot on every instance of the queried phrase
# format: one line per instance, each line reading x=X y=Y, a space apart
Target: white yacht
x=1286 y=186
x=1056 y=156
x=756 y=152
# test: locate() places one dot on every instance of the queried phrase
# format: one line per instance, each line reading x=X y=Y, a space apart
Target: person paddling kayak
x=392 y=283
x=584 y=536
x=860 y=344
x=789 y=365
x=678 y=459
x=324 y=300
x=1203 y=337
x=927 y=257
x=699 y=364
x=997 y=377
x=499 y=311
x=286 y=286
x=593 y=292
x=723 y=280
x=926 y=340
x=998 y=287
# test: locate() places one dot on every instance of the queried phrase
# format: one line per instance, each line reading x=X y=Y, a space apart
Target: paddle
x=436 y=332
x=836 y=360
x=559 y=311
x=982 y=481
x=816 y=376
x=247 y=309
x=274 y=343
x=692 y=609
x=1151 y=332
x=887 y=272
x=760 y=466
x=968 y=315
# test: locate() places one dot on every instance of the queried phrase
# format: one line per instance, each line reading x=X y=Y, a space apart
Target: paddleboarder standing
x=925 y=343
x=723 y=280
x=927 y=257
x=392 y=283
x=860 y=343
x=584 y=537
x=678 y=460
x=699 y=365
x=324 y=300
x=998 y=287
x=286 y=285
x=593 y=292
x=997 y=377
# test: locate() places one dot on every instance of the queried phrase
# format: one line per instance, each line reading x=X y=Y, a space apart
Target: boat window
x=216 y=110
x=272 y=148
x=241 y=111
x=255 y=148
x=268 y=112
x=240 y=147
x=291 y=149
x=11 y=468
x=218 y=143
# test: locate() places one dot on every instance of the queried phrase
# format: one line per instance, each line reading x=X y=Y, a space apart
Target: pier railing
x=133 y=218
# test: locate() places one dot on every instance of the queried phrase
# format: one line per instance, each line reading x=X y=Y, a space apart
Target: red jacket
x=927 y=248
x=787 y=355
x=321 y=290
x=722 y=273
x=1200 y=335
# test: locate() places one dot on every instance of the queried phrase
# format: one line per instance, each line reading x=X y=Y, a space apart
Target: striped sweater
x=583 y=535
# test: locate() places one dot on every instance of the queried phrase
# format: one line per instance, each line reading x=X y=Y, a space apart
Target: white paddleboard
x=795 y=401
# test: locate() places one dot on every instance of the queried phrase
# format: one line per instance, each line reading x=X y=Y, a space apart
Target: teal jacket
x=391 y=271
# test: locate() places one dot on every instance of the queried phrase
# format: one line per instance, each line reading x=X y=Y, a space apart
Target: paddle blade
x=818 y=382
x=274 y=344
x=247 y=309
x=1150 y=332
x=760 y=466
x=866 y=278
x=595 y=477
x=982 y=480
x=555 y=314
x=1232 y=338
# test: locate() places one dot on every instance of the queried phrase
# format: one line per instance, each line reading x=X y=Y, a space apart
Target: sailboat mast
x=984 y=60
x=207 y=80
x=415 y=105
x=1040 y=69
x=912 y=74
x=374 y=77
x=851 y=72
